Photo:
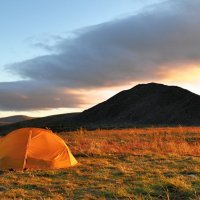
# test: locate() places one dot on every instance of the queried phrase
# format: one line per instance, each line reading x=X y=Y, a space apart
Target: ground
x=151 y=163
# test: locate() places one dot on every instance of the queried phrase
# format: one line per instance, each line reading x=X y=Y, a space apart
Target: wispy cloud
x=32 y=95
x=139 y=47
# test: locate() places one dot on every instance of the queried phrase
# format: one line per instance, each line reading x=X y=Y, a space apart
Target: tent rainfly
x=34 y=148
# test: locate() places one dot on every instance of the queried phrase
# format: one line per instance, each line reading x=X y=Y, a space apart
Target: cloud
x=30 y=95
x=144 y=46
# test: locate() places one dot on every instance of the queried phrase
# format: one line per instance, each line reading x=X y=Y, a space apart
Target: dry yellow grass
x=149 y=163
x=178 y=141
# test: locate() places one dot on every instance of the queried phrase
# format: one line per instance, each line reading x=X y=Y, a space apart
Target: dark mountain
x=14 y=119
x=54 y=122
x=144 y=105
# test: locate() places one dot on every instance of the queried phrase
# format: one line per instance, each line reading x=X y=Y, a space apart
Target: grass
x=152 y=163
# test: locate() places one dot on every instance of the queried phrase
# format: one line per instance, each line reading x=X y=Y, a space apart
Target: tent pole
x=26 y=151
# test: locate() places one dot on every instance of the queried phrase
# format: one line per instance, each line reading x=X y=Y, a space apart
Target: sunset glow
x=75 y=56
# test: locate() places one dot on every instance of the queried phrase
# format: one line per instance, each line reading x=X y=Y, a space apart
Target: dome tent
x=34 y=148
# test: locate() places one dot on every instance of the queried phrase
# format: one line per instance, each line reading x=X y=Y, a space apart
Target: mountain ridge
x=149 y=104
x=134 y=106
x=14 y=119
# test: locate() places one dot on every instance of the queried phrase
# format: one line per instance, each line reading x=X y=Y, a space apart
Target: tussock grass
x=162 y=141
x=152 y=163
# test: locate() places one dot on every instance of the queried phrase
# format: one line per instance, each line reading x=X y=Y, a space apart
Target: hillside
x=55 y=122
x=143 y=105
x=14 y=119
x=134 y=164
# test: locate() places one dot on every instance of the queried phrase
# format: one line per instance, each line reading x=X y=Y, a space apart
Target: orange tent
x=34 y=148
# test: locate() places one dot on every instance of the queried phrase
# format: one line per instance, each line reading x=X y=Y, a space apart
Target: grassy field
x=153 y=163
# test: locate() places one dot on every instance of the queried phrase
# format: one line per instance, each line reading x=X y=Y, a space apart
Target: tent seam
x=25 y=156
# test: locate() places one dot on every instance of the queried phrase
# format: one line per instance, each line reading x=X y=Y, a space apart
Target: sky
x=65 y=56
